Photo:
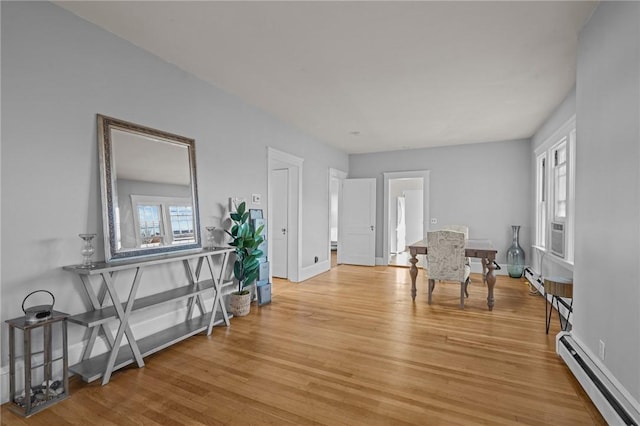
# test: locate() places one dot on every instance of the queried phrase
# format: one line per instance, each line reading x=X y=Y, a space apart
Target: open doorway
x=335 y=180
x=406 y=214
x=405 y=220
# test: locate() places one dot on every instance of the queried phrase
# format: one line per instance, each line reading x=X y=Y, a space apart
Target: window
x=555 y=177
x=181 y=218
x=150 y=225
x=560 y=181
x=162 y=220
x=541 y=200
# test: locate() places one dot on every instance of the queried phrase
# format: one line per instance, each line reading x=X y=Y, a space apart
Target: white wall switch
x=256 y=198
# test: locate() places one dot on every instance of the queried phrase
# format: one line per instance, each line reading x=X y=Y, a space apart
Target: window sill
x=553 y=258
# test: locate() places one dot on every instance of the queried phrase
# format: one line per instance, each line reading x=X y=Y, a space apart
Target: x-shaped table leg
x=217 y=284
x=97 y=302
x=123 y=315
x=193 y=280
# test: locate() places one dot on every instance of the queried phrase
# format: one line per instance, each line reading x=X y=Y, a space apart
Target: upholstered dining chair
x=460 y=228
x=465 y=230
x=446 y=261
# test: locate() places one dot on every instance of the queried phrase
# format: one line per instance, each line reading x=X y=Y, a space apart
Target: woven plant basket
x=240 y=304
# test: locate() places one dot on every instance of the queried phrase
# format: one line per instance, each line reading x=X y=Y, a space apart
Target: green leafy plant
x=246 y=242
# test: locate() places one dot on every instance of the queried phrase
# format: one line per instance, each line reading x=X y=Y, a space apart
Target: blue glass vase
x=515 y=255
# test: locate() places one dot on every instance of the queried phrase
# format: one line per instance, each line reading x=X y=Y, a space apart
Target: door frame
x=282 y=160
x=340 y=175
x=424 y=174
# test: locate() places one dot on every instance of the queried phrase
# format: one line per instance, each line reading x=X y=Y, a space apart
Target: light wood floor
x=350 y=348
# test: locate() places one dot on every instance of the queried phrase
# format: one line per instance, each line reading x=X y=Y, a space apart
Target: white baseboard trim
x=380 y=262
x=140 y=329
x=315 y=269
x=614 y=402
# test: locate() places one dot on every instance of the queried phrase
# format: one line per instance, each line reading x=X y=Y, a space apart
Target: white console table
x=103 y=311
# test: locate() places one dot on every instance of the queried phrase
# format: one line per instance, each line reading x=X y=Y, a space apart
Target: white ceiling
x=370 y=76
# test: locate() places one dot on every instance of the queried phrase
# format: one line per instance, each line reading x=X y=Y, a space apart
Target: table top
x=470 y=244
x=101 y=267
x=21 y=322
x=559 y=280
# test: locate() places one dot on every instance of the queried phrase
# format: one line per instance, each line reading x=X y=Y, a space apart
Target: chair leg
x=466 y=285
x=432 y=284
x=463 y=289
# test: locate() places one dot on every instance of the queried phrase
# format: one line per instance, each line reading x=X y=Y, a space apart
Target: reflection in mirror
x=149 y=194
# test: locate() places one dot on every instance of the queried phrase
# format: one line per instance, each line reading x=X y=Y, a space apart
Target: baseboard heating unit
x=614 y=403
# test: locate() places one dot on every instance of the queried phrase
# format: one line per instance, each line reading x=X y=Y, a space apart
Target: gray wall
x=58 y=71
x=486 y=186
x=607 y=266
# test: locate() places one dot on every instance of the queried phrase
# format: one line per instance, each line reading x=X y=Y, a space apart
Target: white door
x=357 y=240
x=280 y=223
x=401 y=229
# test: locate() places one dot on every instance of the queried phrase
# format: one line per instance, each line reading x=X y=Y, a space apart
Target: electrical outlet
x=601 y=350
x=256 y=198
x=434 y=220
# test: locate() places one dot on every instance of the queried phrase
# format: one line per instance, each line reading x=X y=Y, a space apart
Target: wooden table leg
x=484 y=269
x=432 y=284
x=491 y=282
x=413 y=272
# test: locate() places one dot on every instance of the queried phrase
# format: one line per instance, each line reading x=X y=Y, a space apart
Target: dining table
x=482 y=249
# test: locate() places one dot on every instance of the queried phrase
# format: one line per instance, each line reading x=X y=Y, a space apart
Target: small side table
x=39 y=396
x=557 y=288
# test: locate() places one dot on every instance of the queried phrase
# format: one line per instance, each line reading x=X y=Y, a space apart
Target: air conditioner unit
x=557 y=239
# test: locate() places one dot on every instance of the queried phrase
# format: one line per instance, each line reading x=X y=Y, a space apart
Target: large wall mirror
x=149 y=191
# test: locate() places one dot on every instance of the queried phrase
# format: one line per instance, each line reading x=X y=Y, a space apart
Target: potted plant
x=246 y=267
